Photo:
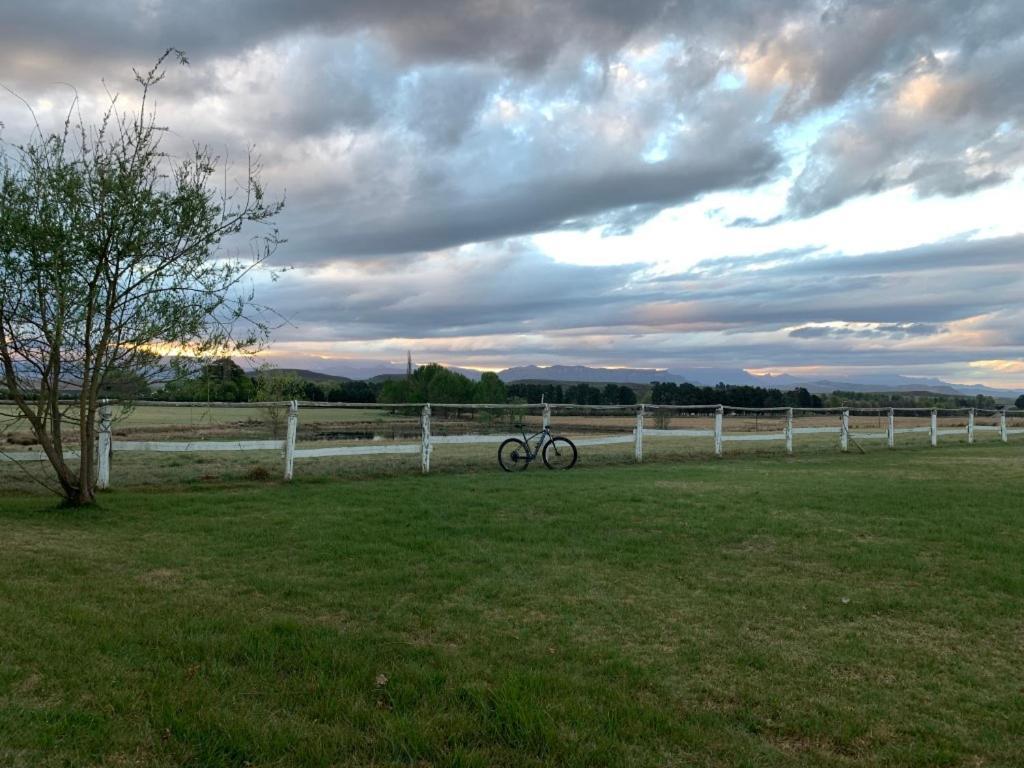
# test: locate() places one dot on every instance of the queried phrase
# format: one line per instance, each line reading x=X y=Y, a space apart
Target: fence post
x=789 y=430
x=638 y=436
x=425 y=444
x=546 y=417
x=970 y=427
x=103 y=448
x=1003 y=434
x=892 y=428
x=844 y=431
x=934 y=430
x=289 y=442
x=718 y=430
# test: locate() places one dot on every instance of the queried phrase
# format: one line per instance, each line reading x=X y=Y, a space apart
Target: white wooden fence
x=107 y=446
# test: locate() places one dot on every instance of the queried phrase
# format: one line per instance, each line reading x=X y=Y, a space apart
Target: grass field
x=199 y=414
x=822 y=610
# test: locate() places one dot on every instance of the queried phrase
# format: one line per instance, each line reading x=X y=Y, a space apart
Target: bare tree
x=112 y=258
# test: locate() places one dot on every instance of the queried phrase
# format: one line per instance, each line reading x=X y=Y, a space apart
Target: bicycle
x=515 y=455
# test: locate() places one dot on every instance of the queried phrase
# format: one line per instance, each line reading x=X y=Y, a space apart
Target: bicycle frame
x=533 y=454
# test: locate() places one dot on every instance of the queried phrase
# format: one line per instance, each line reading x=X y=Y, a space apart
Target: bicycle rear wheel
x=560 y=453
x=513 y=455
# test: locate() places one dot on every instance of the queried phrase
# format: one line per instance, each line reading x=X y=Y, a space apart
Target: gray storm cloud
x=816 y=299
x=929 y=94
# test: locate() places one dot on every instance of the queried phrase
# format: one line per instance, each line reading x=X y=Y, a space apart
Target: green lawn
x=821 y=610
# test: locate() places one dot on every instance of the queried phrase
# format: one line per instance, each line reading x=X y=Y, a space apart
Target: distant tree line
x=579 y=394
x=912 y=400
x=670 y=393
x=536 y=393
x=225 y=381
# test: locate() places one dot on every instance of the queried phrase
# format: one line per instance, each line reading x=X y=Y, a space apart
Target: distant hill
x=704 y=376
x=825 y=386
x=582 y=374
x=707 y=377
x=469 y=373
x=315 y=376
x=380 y=378
x=981 y=389
x=908 y=386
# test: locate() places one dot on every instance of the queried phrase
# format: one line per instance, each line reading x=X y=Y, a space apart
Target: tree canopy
x=490 y=389
x=725 y=394
x=431 y=383
x=221 y=381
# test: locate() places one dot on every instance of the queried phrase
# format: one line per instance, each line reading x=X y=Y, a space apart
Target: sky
x=825 y=188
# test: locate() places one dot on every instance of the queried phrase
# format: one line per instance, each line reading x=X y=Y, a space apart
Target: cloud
x=518 y=36
x=488 y=106
x=428 y=222
x=867 y=331
x=462 y=153
x=915 y=288
x=949 y=120
x=496 y=306
x=423 y=145
x=472 y=291
x=748 y=222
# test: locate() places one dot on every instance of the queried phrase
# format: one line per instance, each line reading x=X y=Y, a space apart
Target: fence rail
x=198 y=446
x=107 y=446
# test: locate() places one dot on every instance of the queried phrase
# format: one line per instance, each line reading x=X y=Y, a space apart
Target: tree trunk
x=78 y=489
x=68 y=483
x=81 y=495
x=53 y=447
x=75 y=491
x=85 y=492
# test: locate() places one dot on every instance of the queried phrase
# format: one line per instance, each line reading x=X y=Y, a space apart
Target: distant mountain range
x=575 y=374
x=709 y=377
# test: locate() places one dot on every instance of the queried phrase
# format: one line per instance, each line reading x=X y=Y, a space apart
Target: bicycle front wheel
x=513 y=455
x=560 y=453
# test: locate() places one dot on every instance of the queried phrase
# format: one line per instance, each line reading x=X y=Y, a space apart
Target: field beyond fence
x=158 y=442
